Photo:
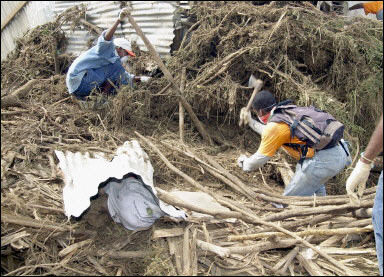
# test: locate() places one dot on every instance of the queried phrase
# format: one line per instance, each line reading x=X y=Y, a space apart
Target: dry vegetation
x=301 y=53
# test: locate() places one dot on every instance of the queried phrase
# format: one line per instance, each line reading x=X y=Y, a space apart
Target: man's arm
x=356 y=182
x=255 y=161
x=375 y=145
x=111 y=31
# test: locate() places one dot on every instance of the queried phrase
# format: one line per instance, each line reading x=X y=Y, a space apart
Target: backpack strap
x=302 y=149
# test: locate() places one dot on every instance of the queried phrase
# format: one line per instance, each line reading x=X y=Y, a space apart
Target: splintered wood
x=315 y=236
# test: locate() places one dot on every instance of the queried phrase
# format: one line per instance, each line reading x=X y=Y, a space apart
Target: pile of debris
x=300 y=53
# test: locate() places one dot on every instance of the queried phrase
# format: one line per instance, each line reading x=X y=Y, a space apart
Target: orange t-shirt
x=373 y=7
x=274 y=135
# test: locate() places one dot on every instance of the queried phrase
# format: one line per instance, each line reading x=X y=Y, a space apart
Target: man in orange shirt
x=370 y=7
x=317 y=167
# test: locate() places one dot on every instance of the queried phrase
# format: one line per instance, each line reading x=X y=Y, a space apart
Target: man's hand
x=124 y=13
x=357 y=181
x=245 y=116
x=240 y=160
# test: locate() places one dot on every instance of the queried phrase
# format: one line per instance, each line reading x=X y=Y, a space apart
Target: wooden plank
x=175 y=249
x=186 y=253
x=5 y=240
x=8 y=19
x=166 y=233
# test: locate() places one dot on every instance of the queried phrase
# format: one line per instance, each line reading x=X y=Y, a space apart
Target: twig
x=318 y=232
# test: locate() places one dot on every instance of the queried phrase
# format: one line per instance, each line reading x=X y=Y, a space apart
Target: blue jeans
x=311 y=176
x=377 y=222
x=94 y=78
x=379 y=15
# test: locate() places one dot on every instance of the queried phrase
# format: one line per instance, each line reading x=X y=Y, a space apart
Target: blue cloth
x=91 y=63
x=379 y=15
x=311 y=176
x=377 y=222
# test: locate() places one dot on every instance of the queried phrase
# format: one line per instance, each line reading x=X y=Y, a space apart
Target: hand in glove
x=357 y=181
x=245 y=116
x=240 y=160
x=144 y=79
x=123 y=13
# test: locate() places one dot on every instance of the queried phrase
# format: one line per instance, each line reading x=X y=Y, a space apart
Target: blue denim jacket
x=100 y=55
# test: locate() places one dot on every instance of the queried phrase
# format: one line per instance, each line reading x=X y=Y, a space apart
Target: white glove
x=357 y=180
x=123 y=13
x=144 y=79
x=245 y=116
x=240 y=160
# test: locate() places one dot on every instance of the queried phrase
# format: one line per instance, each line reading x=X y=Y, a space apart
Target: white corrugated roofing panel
x=34 y=13
x=155 y=18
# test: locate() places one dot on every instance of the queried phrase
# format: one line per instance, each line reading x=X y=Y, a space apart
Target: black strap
x=345 y=150
x=301 y=148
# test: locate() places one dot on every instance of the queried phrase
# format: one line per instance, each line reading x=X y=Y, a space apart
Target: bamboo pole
x=181 y=108
x=168 y=75
x=318 y=232
x=318 y=210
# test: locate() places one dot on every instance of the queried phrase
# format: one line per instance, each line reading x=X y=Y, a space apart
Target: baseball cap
x=125 y=44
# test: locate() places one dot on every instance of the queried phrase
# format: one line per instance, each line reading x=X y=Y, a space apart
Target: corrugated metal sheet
x=155 y=18
x=33 y=14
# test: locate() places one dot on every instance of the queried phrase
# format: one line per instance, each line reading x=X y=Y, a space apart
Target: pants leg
x=379 y=15
x=310 y=177
x=95 y=78
x=92 y=79
x=117 y=74
x=377 y=222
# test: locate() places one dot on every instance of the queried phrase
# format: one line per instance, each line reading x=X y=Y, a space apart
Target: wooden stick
x=93 y=27
x=306 y=243
x=181 y=108
x=318 y=232
x=8 y=239
x=262 y=246
x=317 y=210
x=221 y=251
x=124 y=254
x=13 y=99
x=168 y=75
x=9 y=18
x=163 y=90
x=168 y=198
x=194 y=266
x=74 y=247
x=231 y=177
x=166 y=233
x=310 y=266
x=172 y=167
x=186 y=253
x=33 y=223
